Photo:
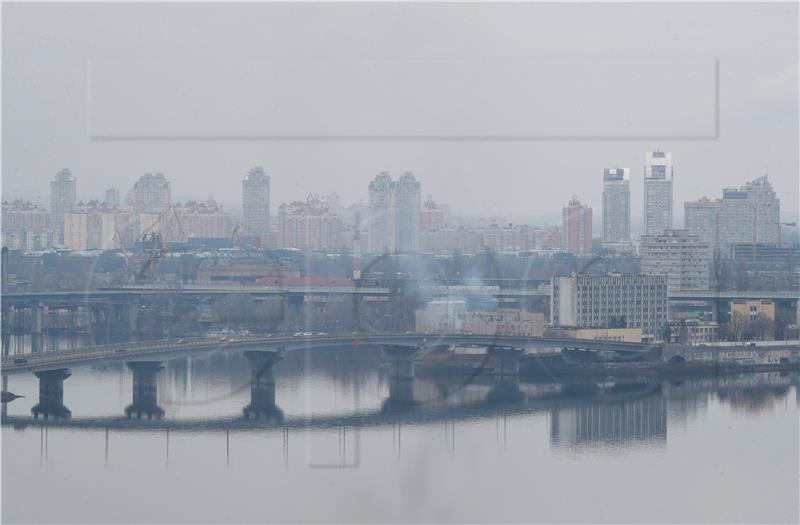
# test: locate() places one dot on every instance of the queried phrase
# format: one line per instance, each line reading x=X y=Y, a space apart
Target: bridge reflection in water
x=580 y=414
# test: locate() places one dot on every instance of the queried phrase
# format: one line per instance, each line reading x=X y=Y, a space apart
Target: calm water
x=693 y=451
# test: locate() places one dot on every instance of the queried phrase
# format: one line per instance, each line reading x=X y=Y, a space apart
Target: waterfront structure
x=610 y=301
x=693 y=331
x=63 y=198
x=394 y=214
x=616 y=208
x=679 y=255
x=576 y=224
x=310 y=226
x=749 y=215
x=255 y=205
x=658 y=174
x=112 y=199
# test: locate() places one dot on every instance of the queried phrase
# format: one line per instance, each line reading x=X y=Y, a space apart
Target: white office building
x=678 y=255
x=610 y=301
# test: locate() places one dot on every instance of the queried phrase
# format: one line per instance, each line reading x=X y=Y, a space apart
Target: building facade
x=112 y=198
x=616 y=207
x=255 y=205
x=658 y=175
x=203 y=220
x=679 y=255
x=63 y=198
x=576 y=224
x=749 y=215
x=610 y=301
x=310 y=226
x=394 y=214
x=152 y=194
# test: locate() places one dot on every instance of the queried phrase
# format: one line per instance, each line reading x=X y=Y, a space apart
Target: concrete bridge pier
x=133 y=316
x=262 y=385
x=505 y=365
x=51 y=394
x=145 y=390
x=37 y=313
x=401 y=377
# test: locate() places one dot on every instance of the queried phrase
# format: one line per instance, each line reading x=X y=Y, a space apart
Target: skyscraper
x=577 y=227
x=381 y=214
x=152 y=194
x=616 y=207
x=255 y=204
x=63 y=199
x=658 y=174
x=750 y=214
x=394 y=209
x=112 y=197
x=409 y=198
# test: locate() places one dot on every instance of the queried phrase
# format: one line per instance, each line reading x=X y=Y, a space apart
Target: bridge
x=174 y=348
x=124 y=294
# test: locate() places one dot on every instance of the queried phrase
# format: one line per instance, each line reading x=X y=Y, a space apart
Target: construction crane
x=118 y=239
x=153 y=240
x=235 y=236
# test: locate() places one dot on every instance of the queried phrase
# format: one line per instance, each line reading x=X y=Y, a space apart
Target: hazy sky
x=48 y=49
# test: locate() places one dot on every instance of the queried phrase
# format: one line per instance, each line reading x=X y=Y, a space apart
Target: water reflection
x=380 y=386
x=145 y=390
x=635 y=413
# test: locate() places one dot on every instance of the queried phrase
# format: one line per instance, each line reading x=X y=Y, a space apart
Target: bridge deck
x=164 y=349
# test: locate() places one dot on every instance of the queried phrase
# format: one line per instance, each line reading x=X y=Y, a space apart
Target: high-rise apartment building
x=431 y=216
x=394 y=213
x=310 y=226
x=576 y=222
x=610 y=301
x=91 y=226
x=750 y=215
x=63 y=198
x=204 y=220
x=381 y=223
x=408 y=199
x=255 y=205
x=112 y=199
x=658 y=175
x=679 y=255
x=616 y=207
x=25 y=226
x=152 y=194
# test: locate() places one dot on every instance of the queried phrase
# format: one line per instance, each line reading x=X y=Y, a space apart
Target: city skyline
x=755 y=137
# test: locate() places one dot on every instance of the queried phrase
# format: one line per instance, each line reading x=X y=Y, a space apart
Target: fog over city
x=48 y=49
x=395 y=262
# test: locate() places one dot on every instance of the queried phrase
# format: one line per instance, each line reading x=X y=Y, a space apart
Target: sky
x=500 y=110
